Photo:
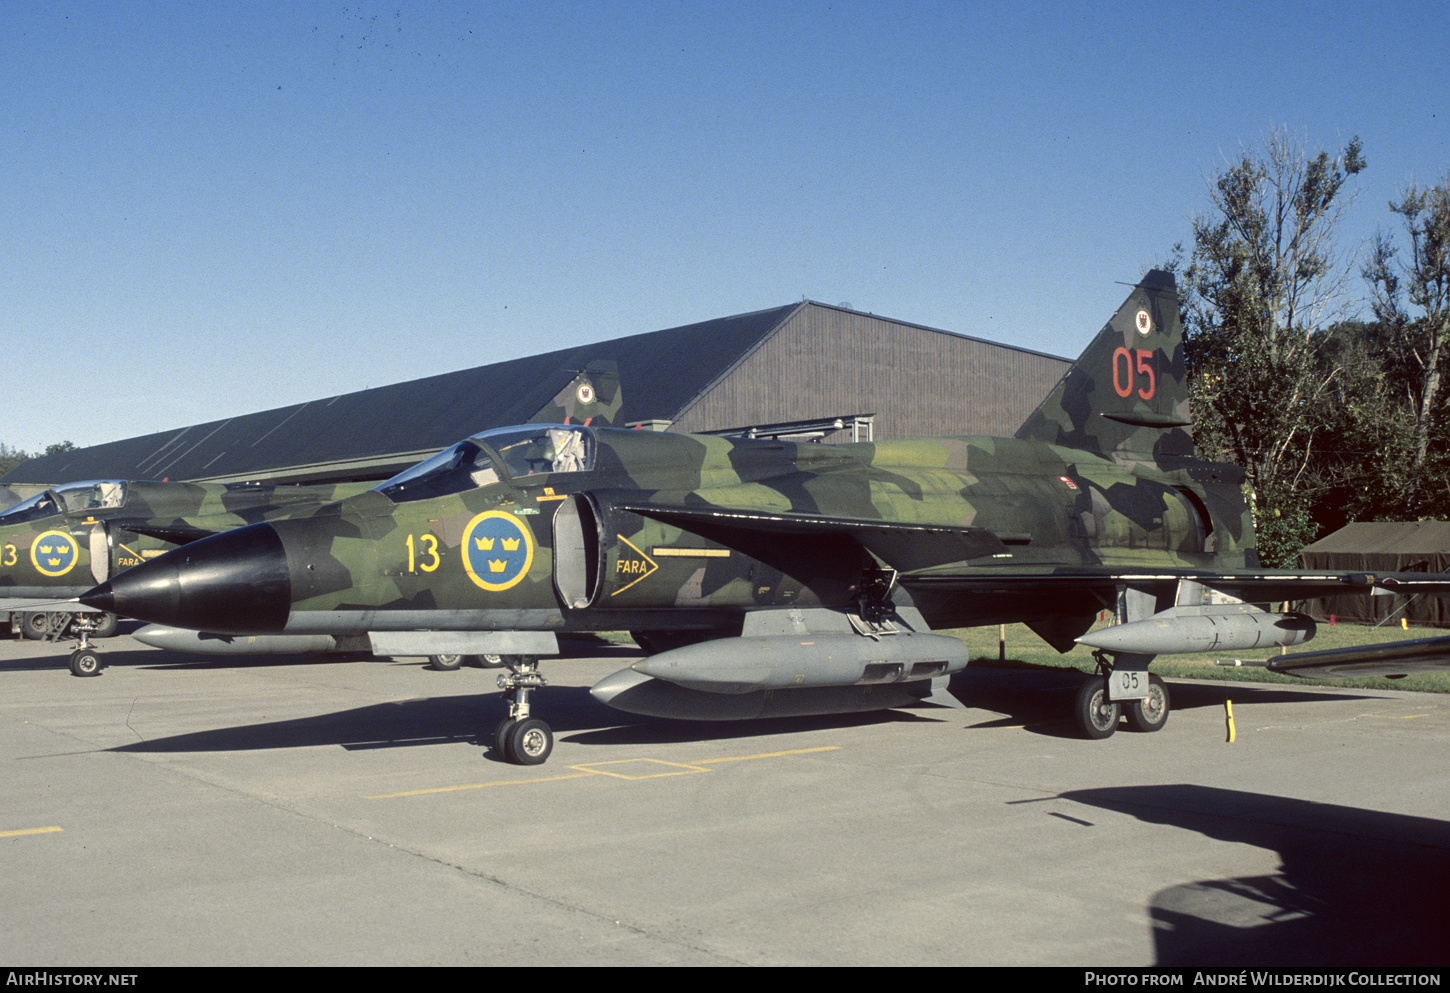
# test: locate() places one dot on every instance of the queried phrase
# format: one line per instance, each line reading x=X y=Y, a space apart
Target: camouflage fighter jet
x=774 y=579
x=62 y=541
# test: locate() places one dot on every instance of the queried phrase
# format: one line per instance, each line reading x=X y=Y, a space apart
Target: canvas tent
x=1382 y=546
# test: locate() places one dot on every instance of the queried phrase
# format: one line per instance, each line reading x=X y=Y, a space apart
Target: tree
x=11 y=457
x=1423 y=282
x=1263 y=274
x=1362 y=461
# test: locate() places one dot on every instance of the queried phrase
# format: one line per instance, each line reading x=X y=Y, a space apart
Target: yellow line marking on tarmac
x=674 y=768
x=16 y=834
x=593 y=769
x=771 y=755
x=477 y=786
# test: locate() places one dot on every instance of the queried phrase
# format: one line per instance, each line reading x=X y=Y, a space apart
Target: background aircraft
x=769 y=578
x=100 y=527
x=62 y=541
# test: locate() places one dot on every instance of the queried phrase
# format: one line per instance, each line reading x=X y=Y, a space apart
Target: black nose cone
x=231 y=583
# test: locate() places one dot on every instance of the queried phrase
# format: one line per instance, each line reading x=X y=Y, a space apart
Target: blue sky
x=213 y=208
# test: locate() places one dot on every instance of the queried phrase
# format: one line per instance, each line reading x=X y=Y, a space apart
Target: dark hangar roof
x=375 y=432
x=768 y=366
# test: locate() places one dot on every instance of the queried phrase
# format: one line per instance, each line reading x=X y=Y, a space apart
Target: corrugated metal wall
x=917 y=381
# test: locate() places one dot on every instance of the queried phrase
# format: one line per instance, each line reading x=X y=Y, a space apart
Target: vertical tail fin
x=1127 y=394
x=592 y=397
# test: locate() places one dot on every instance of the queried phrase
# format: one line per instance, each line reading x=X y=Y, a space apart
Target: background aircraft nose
x=236 y=582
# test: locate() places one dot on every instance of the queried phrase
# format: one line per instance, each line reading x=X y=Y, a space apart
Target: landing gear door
x=1128 y=684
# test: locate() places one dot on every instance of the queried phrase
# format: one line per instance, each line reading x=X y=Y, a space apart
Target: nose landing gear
x=520 y=738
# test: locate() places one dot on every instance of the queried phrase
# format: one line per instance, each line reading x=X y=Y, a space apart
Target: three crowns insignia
x=486 y=545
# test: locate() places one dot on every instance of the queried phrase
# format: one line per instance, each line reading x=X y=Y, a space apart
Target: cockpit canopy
x=94 y=494
x=503 y=453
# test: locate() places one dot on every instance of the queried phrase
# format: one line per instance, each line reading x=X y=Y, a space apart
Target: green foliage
x=1262 y=272
x=11 y=457
x=1411 y=300
x=1332 y=421
x=1283 y=524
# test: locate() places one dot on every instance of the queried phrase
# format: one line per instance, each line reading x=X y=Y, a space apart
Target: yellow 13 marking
x=429 y=553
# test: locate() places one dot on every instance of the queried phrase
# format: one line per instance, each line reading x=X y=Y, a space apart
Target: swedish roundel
x=497 y=550
x=54 y=553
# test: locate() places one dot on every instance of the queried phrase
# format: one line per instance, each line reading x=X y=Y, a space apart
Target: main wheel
x=530 y=742
x=107 y=627
x=84 y=662
x=1151 y=713
x=35 y=625
x=444 y=663
x=1097 y=716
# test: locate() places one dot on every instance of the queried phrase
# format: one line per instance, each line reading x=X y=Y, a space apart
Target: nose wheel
x=526 y=742
x=520 y=738
x=85 y=660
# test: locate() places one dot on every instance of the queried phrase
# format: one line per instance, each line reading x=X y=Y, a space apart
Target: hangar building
x=801 y=362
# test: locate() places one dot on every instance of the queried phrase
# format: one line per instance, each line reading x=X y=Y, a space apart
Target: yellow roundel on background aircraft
x=54 y=553
x=497 y=550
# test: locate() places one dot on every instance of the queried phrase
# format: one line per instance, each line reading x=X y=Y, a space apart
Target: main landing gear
x=84 y=625
x=85 y=660
x=448 y=663
x=40 y=625
x=521 y=739
x=1138 y=695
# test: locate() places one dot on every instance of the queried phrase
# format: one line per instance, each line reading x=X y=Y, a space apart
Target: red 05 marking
x=1125 y=372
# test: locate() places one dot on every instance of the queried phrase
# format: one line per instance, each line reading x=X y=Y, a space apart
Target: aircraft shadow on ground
x=57 y=657
x=572 y=713
x=1354 y=887
x=1038 y=701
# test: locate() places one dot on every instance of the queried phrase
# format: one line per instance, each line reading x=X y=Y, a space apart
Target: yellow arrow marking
x=653 y=565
